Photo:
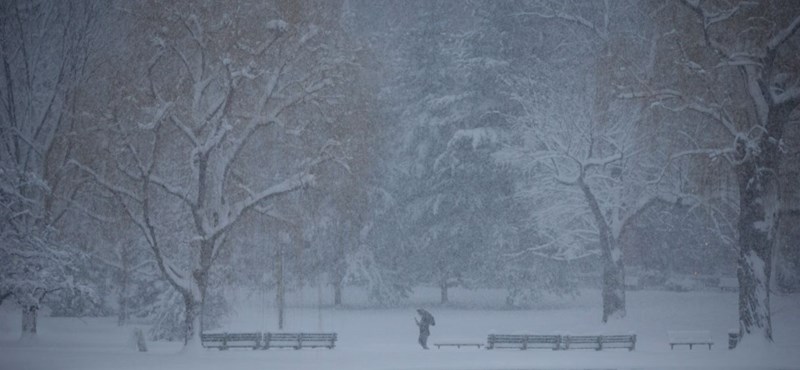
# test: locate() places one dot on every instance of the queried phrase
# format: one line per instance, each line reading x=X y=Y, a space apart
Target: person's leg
x=424 y=340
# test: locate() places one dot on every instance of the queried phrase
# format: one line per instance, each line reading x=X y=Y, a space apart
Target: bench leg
x=709 y=346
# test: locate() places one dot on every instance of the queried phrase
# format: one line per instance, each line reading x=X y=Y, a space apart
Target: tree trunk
x=613 y=290
x=758 y=212
x=191 y=319
x=281 y=300
x=443 y=286
x=337 y=293
x=613 y=283
x=125 y=271
x=280 y=294
x=29 y=313
x=192 y=325
x=122 y=315
x=339 y=267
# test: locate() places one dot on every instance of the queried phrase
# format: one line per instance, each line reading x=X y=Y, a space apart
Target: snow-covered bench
x=523 y=341
x=689 y=338
x=599 y=342
x=299 y=340
x=223 y=341
x=563 y=342
x=457 y=344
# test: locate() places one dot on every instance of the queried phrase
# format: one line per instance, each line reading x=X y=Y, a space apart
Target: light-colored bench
x=689 y=338
x=457 y=344
x=599 y=342
x=299 y=340
x=223 y=341
x=562 y=342
x=523 y=341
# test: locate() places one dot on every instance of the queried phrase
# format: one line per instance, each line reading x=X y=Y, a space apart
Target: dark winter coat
x=426 y=320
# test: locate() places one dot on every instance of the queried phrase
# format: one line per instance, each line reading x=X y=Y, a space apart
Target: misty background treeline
x=157 y=153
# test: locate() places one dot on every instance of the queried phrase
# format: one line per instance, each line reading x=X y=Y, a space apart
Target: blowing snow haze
x=187 y=176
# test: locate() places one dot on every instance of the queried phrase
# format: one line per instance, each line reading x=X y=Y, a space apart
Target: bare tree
x=44 y=48
x=578 y=140
x=746 y=88
x=236 y=101
x=586 y=182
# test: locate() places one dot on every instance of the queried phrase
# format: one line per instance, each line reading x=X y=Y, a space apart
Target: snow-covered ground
x=386 y=339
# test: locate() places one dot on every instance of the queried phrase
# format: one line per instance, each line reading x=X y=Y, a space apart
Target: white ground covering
x=386 y=339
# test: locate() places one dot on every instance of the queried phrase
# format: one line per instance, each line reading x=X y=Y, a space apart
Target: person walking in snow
x=424 y=323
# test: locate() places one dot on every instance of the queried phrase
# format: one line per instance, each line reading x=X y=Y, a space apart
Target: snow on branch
x=577 y=19
x=709 y=152
x=787 y=96
x=660 y=97
x=143 y=222
x=600 y=162
x=476 y=136
x=289 y=184
x=172 y=190
x=775 y=42
x=740 y=59
x=710 y=18
x=277 y=25
x=118 y=190
x=185 y=130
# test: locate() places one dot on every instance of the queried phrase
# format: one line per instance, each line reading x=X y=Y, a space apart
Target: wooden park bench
x=223 y=341
x=599 y=342
x=457 y=345
x=689 y=338
x=299 y=340
x=523 y=341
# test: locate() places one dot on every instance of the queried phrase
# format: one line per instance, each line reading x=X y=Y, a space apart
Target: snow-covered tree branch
x=217 y=108
x=750 y=90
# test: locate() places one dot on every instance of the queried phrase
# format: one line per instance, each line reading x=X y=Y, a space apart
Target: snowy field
x=386 y=339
